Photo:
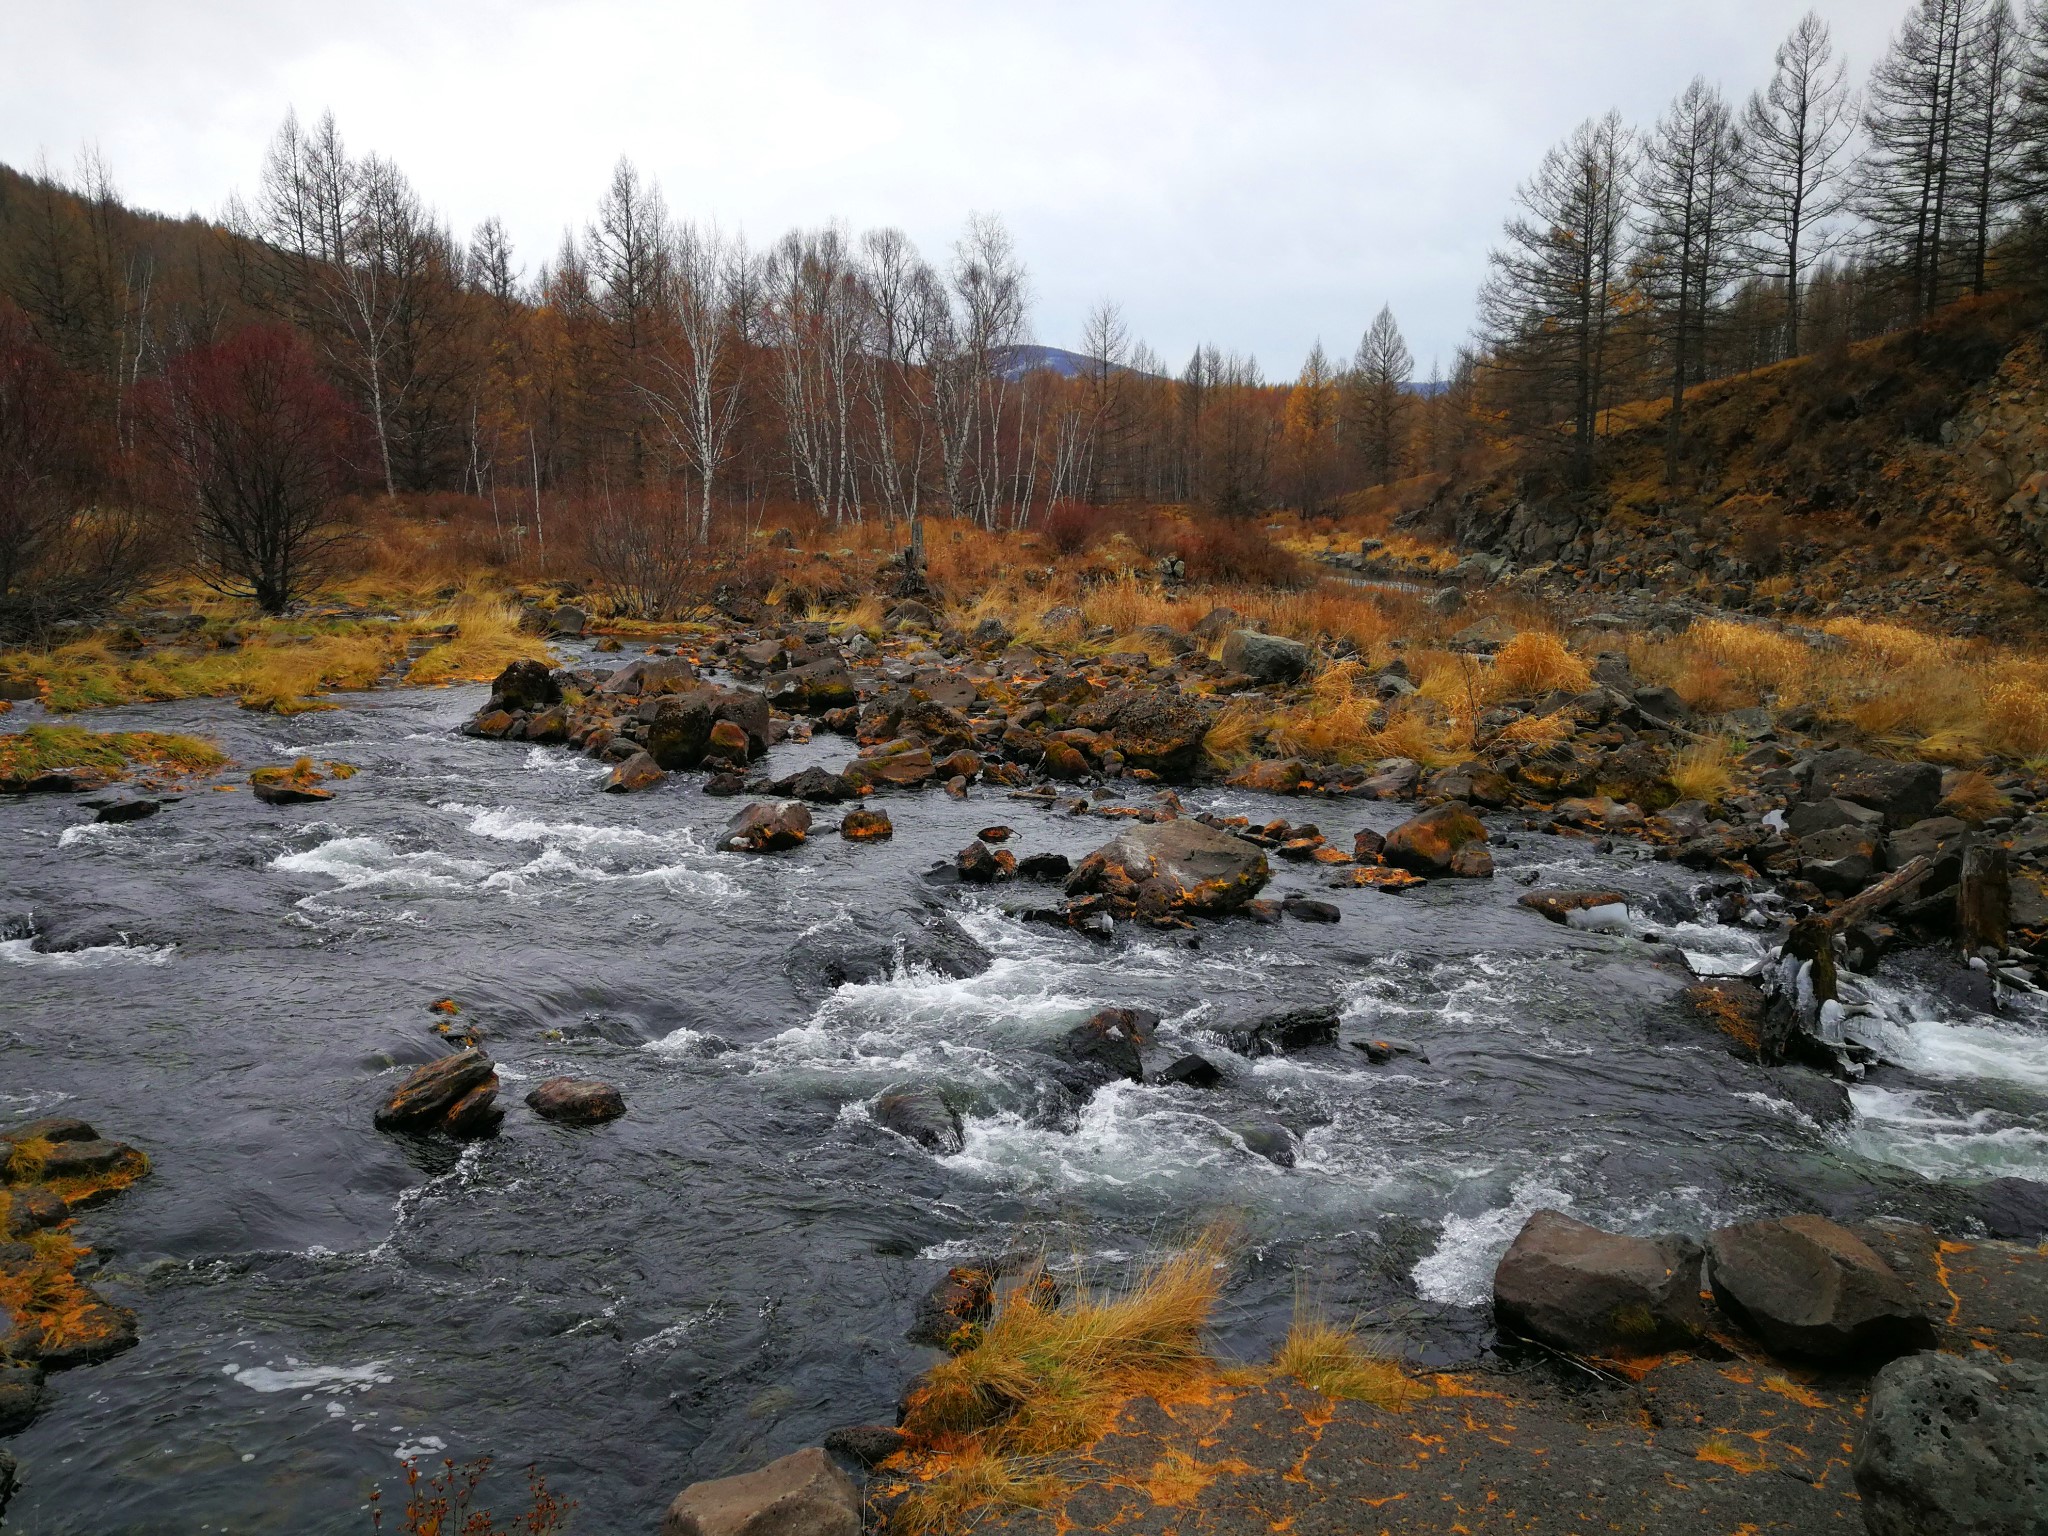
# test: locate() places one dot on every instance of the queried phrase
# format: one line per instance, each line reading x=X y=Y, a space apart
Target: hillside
x=1900 y=477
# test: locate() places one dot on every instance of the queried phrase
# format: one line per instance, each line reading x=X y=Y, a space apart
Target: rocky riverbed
x=848 y=1061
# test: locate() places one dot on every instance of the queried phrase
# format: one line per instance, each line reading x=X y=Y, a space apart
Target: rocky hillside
x=1904 y=477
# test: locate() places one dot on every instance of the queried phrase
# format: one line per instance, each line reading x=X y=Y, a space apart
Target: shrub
x=1069 y=527
x=1222 y=551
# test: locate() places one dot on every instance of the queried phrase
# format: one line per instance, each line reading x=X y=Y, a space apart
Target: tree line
x=1730 y=235
x=656 y=383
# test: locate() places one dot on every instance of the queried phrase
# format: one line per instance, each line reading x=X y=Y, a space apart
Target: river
x=727 y=1273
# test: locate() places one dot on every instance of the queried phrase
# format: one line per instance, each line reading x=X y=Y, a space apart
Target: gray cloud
x=1259 y=176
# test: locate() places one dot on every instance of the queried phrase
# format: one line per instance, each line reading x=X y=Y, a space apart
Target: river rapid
x=727 y=1273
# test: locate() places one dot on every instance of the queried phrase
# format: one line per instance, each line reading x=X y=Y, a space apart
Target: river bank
x=256 y=978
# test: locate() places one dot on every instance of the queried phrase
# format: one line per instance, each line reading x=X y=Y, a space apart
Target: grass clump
x=1042 y=1381
x=1705 y=771
x=1337 y=1363
x=487 y=639
x=1974 y=798
x=1536 y=662
x=38 y=749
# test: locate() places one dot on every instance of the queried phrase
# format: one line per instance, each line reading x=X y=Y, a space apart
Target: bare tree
x=256 y=438
x=1994 y=64
x=1693 y=208
x=1552 y=299
x=1795 y=137
x=1916 y=168
x=697 y=388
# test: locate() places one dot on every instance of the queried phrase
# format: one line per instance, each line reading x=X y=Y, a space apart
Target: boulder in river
x=1558 y=906
x=1589 y=1292
x=454 y=1093
x=1265 y=658
x=980 y=864
x=1046 y=867
x=921 y=1112
x=1296 y=1029
x=1173 y=867
x=1160 y=731
x=524 y=685
x=1811 y=1289
x=130 y=808
x=576 y=1101
x=2014 y=1209
x=298 y=784
x=1195 y=1071
x=802 y=1494
x=1955 y=1447
x=767 y=828
x=1105 y=1048
x=27 y=1210
x=861 y=946
x=640 y=771
x=1270 y=1140
x=1448 y=840
x=866 y=824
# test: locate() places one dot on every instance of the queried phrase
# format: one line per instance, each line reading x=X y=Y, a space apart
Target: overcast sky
x=1257 y=175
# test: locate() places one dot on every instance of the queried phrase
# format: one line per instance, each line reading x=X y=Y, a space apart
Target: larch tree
x=1693 y=215
x=1794 y=162
x=1308 y=432
x=1915 y=170
x=1377 y=400
x=1993 y=65
x=1555 y=289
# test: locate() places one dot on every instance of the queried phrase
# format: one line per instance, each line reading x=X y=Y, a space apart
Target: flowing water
x=727 y=1273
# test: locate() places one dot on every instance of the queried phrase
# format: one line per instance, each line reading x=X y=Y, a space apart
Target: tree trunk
x=1984 y=899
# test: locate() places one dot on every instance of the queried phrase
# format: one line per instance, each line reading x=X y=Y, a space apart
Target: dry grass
x=39 y=748
x=487 y=638
x=1974 y=798
x=1537 y=662
x=1337 y=1363
x=1043 y=1381
x=273 y=665
x=1705 y=771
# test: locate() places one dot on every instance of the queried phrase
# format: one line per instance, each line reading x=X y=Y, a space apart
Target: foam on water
x=1914 y=1129
x=365 y=863
x=24 y=952
x=1459 y=1270
x=297 y=1376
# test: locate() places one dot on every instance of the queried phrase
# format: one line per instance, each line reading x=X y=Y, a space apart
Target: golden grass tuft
x=1337 y=1363
x=487 y=639
x=1536 y=661
x=2016 y=712
x=1043 y=1381
x=1705 y=770
x=1974 y=798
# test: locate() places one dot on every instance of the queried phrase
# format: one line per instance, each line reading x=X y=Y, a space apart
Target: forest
x=247 y=397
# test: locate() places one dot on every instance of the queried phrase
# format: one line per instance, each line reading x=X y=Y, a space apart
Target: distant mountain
x=1032 y=358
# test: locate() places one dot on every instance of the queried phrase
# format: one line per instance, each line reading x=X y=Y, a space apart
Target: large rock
x=1590 y=1292
x=1955 y=1447
x=638 y=772
x=1841 y=860
x=864 y=824
x=1448 y=840
x=525 y=685
x=1105 y=1048
x=1173 y=867
x=2015 y=1209
x=921 y=1112
x=1812 y=1289
x=1265 y=658
x=454 y=1093
x=803 y=1494
x=1161 y=732
x=765 y=828
x=1904 y=792
x=862 y=946
x=576 y=1101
